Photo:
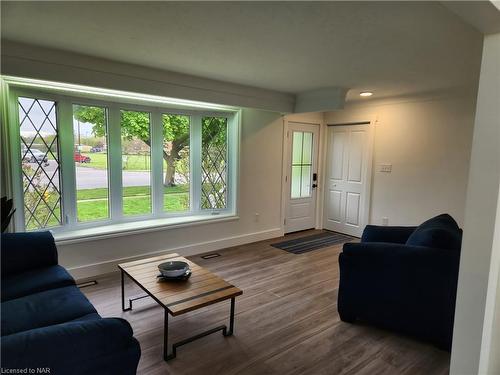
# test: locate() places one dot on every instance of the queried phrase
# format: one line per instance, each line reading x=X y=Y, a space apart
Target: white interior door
x=301 y=178
x=347 y=182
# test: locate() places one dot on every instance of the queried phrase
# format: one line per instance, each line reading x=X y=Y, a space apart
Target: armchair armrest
x=27 y=251
x=376 y=233
x=72 y=347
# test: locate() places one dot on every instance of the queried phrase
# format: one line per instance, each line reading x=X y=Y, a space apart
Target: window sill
x=137 y=227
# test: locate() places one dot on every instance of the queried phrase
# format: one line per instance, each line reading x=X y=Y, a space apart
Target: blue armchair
x=403 y=279
x=48 y=323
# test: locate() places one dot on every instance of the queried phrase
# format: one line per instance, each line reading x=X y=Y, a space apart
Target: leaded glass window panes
x=214 y=163
x=40 y=163
x=301 y=164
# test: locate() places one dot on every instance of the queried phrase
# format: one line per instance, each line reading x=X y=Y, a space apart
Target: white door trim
x=369 y=167
x=285 y=165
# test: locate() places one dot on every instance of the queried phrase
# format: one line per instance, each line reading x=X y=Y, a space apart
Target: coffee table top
x=203 y=288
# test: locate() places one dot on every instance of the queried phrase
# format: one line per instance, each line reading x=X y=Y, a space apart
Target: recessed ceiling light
x=365 y=93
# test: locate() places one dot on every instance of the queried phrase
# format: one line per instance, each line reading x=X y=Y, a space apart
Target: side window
x=214 y=162
x=40 y=163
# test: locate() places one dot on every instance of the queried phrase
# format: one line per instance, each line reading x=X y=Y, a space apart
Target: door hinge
x=284 y=221
x=286 y=178
x=288 y=133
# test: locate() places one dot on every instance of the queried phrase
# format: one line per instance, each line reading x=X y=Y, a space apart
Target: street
x=90 y=178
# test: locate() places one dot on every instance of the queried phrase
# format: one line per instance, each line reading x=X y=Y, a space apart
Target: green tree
x=175 y=132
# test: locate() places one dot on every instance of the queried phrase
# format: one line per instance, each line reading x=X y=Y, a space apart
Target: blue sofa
x=48 y=323
x=403 y=279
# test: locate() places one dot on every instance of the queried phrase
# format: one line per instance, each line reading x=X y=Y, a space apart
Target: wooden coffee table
x=177 y=297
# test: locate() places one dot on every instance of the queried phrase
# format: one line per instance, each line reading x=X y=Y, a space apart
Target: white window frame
x=158 y=217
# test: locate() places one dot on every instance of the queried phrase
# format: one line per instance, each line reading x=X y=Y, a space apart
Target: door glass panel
x=305 y=183
x=175 y=163
x=307 y=149
x=297 y=148
x=136 y=162
x=302 y=143
x=40 y=163
x=90 y=133
x=296 y=181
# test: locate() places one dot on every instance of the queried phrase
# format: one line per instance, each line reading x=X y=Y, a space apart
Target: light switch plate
x=386 y=168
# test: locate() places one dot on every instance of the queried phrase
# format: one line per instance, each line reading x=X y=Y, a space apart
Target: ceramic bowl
x=173 y=268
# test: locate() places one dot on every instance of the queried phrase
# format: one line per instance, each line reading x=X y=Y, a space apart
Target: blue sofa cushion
x=441 y=232
x=35 y=281
x=392 y=234
x=43 y=309
x=22 y=252
x=97 y=347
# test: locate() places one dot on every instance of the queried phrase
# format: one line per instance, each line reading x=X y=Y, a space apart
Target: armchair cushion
x=99 y=346
x=440 y=232
x=23 y=252
x=43 y=309
x=34 y=281
x=377 y=233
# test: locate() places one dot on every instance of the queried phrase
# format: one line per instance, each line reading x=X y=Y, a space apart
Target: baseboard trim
x=96 y=269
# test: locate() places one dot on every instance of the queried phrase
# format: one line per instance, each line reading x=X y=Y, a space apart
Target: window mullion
x=15 y=160
x=157 y=162
x=115 y=163
x=233 y=160
x=66 y=159
x=195 y=163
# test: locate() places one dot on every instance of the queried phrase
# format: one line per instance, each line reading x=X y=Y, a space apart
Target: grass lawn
x=92 y=204
x=99 y=160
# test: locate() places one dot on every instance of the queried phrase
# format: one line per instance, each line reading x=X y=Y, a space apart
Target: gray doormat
x=316 y=241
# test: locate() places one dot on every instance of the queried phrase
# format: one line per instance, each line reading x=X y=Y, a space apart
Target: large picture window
x=116 y=163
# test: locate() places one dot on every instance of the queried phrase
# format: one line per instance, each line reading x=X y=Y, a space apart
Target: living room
x=225 y=152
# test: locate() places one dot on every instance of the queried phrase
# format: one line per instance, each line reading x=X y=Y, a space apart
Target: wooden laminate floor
x=286 y=322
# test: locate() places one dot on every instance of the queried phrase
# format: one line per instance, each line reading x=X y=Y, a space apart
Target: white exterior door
x=347 y=180
x=301 y=178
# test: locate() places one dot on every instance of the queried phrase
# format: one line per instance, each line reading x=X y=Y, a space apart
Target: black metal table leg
x=123 y=294
x=222 y=328
x=231 y=319
x=130 y=300
x=166 y=356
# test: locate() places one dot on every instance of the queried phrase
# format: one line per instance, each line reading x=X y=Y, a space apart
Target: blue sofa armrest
x=376 y=233
x=410 y=289
x=100 y=346
x=23 y=252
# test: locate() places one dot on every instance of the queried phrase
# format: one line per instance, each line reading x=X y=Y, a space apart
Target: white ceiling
x=392 y=48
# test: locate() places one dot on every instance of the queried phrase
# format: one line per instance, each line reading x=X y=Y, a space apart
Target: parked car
x=34 y=156
x=79 y=158
x=96 y=149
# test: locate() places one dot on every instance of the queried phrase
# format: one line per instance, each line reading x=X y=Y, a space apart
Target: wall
x=427 y=139
x=477 y=282
x=259 y=192
x=29 y=61
x=490 y=360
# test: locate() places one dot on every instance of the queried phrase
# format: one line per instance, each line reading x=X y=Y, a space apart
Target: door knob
x=314 y=186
